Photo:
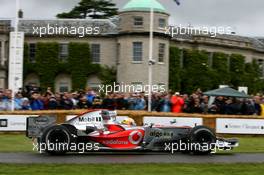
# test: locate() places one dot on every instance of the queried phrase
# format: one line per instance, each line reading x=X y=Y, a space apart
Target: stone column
x=3 y=52
x=2 y=80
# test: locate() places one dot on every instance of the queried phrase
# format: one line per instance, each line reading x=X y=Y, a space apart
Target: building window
x=161 y=52
x=261 y=66
x=63 y=87
x=63 y=52
x=63 y=83
x=137 y=51
x=138 y=21
x=32 y=52
x=95 y=53
x=162 y=23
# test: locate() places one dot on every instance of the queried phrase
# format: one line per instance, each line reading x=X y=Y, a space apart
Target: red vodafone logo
x=135 y=137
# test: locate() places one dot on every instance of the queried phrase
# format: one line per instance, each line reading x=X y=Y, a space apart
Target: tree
x=108 y=75
x=174 y=69
x=237 y=69
x=196 y=72
x=95 y=9
x=252 y=78
x=220 y=69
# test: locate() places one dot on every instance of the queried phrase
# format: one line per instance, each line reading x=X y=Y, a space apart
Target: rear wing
x=37 y=125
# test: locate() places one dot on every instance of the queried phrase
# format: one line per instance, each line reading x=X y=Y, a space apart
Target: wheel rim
x=204 y=137
x=205 y=140
x=55 y=138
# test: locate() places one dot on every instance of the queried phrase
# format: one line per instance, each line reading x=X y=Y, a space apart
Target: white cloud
x=245 y=16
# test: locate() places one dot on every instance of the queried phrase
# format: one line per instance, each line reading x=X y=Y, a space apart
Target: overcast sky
x=246 y=17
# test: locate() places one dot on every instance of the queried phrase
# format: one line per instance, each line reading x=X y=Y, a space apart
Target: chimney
x=20 y=13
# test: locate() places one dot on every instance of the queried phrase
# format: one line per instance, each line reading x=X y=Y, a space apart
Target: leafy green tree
x=174 y=69
x=96 y=9
x=252 y=78
x=196 y=73
x=79 y=63
x=108 y=75
x=220 y=69
x=237 y=69
x=47 y=62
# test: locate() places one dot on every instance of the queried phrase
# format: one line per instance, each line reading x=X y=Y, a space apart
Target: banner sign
x=240 y=126
x=119 y=119
x=13 y=122
x=175 y=121
x=16 y=52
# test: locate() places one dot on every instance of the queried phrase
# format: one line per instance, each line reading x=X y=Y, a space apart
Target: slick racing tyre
x=202 y=140
x=56 y=140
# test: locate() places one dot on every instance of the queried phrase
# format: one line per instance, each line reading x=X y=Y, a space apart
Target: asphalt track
x=111 y=158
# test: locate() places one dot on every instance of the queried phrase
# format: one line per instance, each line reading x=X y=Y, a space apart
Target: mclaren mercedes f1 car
x=99 y=131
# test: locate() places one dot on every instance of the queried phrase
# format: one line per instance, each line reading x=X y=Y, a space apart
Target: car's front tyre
x=202 y=140
x=56 y=140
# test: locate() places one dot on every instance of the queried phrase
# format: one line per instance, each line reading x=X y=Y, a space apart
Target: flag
x=177 y=2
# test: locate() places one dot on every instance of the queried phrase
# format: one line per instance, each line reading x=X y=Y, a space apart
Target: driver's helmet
x=128 y=121
x=108 y=115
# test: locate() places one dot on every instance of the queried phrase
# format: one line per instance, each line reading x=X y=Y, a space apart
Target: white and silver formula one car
x=99 y=131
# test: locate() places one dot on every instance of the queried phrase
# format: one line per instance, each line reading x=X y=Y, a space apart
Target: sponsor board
x=240 y=126
x=243 y=89
x=15 y=74
x=13 y=122
x=119 y=119
x=69 y=117
x=175 y=121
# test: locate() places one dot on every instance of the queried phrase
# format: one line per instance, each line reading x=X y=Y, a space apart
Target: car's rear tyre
x=57 y=140
x=202 y=140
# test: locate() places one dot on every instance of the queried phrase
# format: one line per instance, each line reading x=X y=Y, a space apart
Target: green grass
x=15 y=143
x=19 y=143
x=250 y=145
x=132 y=169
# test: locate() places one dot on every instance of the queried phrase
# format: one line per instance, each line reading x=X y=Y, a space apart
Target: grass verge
x=19 y=143
x=15 y=143
x=130 y=169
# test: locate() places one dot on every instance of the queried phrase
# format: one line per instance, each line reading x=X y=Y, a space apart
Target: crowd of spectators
x=196 y=102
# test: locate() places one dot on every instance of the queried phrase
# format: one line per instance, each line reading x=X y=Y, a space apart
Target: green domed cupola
x=143 y=5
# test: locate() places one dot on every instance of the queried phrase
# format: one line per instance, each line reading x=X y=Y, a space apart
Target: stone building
x=123 y=42
x=5 y=26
